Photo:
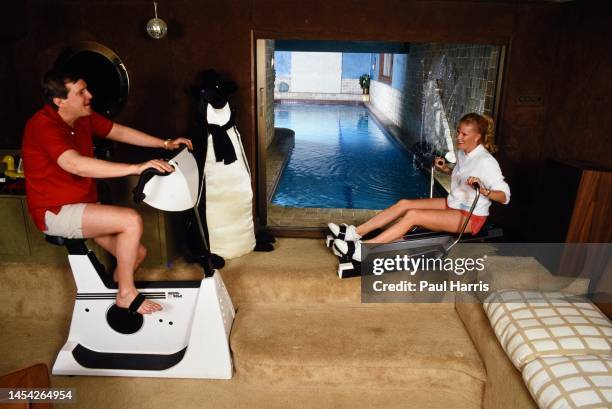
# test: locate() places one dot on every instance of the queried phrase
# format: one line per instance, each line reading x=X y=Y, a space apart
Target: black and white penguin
x=227 y=190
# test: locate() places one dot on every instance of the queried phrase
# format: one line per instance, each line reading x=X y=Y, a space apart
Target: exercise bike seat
x=74 y=246
x=57 y=240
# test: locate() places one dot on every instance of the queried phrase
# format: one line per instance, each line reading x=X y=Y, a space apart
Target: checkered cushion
x=583 y=381
x=534 y=324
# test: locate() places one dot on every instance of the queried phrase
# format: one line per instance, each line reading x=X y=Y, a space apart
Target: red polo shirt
x=46 y=137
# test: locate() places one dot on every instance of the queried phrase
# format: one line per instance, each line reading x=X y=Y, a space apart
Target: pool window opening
x=315 y=122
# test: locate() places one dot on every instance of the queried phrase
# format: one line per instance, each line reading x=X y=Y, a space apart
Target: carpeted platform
x=301 y=339
x=377 y=346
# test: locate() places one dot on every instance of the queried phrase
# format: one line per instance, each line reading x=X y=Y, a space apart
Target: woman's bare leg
x=398 y=210
x=448 y=220
x=126 y=225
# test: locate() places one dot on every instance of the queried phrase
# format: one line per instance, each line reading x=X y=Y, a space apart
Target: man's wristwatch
x=166 y=142
x=488 y=193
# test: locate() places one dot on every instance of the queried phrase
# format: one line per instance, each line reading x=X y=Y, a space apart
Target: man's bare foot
x=147 y=306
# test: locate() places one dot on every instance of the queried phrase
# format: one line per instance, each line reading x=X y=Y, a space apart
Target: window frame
x=381 y=64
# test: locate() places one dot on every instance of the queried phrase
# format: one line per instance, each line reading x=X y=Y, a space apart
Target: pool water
x=343 y=159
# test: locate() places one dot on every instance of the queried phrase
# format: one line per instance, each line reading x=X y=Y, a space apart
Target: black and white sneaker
x=349 y=269
x=351 y=249
x=344 y=231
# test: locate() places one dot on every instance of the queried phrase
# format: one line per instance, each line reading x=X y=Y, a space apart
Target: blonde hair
x=486 y=128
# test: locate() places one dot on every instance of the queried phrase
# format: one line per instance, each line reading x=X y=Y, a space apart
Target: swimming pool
x=343 y=159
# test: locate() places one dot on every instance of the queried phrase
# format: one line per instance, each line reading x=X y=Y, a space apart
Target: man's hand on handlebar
x=158 y=164
x=172 y=144
x=440 y=164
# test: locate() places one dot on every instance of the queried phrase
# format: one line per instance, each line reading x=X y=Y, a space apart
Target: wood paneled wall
x=579 y=124
x=220 y=34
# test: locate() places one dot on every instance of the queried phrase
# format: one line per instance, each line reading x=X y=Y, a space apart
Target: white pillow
x=534 y=324
x=583 y=381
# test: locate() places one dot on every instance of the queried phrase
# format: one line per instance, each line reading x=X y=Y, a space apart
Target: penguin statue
x=227 y=178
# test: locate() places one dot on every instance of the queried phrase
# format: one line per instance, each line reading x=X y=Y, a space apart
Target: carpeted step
x=28 y=341
x=300 y=339
x=31 y=290
x=421 y=348
x=298 y=271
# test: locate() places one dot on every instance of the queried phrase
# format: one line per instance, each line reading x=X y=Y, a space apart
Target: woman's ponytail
x=489 y=135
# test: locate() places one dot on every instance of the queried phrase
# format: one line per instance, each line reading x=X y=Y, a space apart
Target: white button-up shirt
x=481 y=164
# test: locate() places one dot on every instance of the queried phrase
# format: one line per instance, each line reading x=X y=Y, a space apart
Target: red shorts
x=476 y=222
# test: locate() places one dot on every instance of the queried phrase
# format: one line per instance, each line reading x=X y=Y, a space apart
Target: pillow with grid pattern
x=579 y=381
x=534 y=324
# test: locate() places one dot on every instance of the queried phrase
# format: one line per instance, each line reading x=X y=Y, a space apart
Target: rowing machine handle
x=476 y=187
x=145 y=176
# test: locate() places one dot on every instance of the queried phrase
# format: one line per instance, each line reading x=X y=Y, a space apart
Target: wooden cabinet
x=591 y=220
x=21 y=241
x=13 y=230
x=574 y=204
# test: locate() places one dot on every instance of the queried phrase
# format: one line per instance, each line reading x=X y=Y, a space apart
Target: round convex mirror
x=103 y=71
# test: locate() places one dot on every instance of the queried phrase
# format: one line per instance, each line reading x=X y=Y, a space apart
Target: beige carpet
x=301 y=339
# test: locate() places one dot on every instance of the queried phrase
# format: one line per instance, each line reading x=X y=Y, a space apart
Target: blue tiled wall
x=355 y=64
x=398 y=78
x=374 y=67
x=282 y=62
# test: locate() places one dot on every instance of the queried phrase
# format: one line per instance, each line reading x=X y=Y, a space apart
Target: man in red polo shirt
x=60 y=170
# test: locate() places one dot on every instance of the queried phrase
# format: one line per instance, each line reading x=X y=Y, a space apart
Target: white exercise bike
x=189 y=338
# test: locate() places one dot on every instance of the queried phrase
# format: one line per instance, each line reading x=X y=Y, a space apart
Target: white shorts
x=68 y=222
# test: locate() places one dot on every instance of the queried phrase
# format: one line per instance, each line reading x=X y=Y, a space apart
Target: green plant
x=364 y=81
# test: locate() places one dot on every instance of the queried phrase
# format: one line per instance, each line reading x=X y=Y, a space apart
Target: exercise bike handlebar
x=145 y=176
x=139 y=196
x=169 y=154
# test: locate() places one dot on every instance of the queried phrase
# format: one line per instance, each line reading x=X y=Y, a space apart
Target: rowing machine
x=421 y=243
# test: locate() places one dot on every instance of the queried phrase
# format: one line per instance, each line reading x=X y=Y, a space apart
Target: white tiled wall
x=388 y=100
x=351 y=86
x=464 y=73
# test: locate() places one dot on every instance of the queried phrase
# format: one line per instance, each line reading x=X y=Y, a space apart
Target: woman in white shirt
x=475 y=141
